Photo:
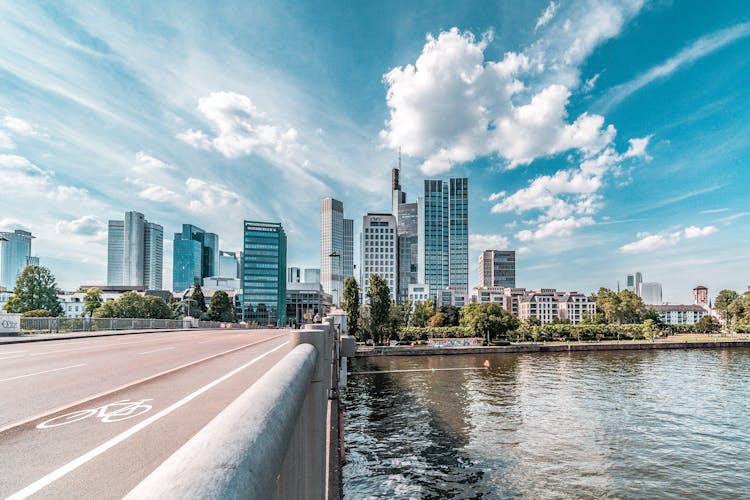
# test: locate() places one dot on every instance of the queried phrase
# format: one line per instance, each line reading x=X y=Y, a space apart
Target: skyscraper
x=135 y=252
x=651 y=293
x=312 y=275
x=348 y=255
x=264 y=273
x=195 y=256
x=229 y=264
x=293 y=275
x=332 y=247
x=444 y=235
x=634 y=282
x=407 y=215
x=379 y=250
x=497 y=268
x=15 y=254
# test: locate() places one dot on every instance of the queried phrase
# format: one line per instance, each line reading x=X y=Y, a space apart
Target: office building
x=15 y=255
x=264 y=273
x=230 y=264
x=407 y=222
x=332 y=247
x=488 y=294
x=634 y=282
x=379 y=248
x=497 y=268
x=293 y=275
x=348 y=255
x=651 y=293
x=195 y=256
x=312 y=275
x=418 y=292
x=135 y=252
x=306 y=300
x=443 y=225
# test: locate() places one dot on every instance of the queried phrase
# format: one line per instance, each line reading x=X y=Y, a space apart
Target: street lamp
x=337 y=255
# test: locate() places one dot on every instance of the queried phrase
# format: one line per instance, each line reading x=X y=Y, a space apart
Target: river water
x=616 y=424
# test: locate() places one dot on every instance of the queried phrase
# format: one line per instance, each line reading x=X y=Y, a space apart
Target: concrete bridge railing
x=271 y=442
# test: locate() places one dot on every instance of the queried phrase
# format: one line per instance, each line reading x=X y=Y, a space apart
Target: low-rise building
x=488 y=294
x=680 y=314
x=306 y=300
x=541 y=304
x=575 y=306
x=418 y=292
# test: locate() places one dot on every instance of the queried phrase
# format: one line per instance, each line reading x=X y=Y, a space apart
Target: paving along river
x=614 y=424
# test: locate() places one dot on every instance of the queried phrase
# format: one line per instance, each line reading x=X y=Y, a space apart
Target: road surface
x=90 y=418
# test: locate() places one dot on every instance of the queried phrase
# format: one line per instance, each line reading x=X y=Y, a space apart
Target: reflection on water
x=632 y=424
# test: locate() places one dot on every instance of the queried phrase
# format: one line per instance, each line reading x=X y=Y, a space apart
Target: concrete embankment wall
x=572 y=347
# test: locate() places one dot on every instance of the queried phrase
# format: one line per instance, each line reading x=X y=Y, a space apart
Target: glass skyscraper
x=135 y=252
x=264 y=273
x=15 y=255
x=444 y=235
x=195 y=256
x=348 y=255
x=332 y=247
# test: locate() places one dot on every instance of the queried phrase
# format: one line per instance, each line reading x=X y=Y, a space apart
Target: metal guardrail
x=64 y=325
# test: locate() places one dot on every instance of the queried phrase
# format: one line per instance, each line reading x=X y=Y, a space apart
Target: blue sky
x=599 y=137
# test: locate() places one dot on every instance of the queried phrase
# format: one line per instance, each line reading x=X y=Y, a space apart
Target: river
x=607 y=424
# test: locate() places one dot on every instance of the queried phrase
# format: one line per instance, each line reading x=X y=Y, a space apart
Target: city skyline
x=633 y=164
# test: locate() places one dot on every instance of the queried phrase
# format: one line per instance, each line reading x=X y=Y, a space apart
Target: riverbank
x=623 y=345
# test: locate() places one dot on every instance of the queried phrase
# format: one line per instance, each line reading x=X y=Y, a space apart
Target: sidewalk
x=41 y=337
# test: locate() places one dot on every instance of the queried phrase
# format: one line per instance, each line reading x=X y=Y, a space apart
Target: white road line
x=13 y=357
x=59 y=409
x=74 y=464
x=11 y=352
x=157 y=350
x=39 y=373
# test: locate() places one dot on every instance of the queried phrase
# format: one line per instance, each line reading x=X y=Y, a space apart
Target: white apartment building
x=547 y=304
x=379 y=250
x=418 y=292
x=73 y=305
x=680 y=314
x=488 y=294
x=541 y=304
x=574 y=306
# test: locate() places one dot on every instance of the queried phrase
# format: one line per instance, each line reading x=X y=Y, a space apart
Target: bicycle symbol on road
x=112 y=412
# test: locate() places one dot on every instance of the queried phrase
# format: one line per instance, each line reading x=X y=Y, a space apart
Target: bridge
x=193 y=413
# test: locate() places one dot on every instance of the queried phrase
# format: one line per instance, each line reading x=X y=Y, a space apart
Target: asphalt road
x=91 y=418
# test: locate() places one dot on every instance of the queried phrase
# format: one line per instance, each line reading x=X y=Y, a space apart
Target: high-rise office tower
x=135 y=252
x=651 y=293
x=229 y=264
x=379 y=248
x=497 y=268
x=312 y=275
x=293 y=275
x=348 y=255
x=332 y=247
x=195 y=256
x=407 y=215
x=634 y=282
x=444 y=235
x=264 y=273
x=15 y=255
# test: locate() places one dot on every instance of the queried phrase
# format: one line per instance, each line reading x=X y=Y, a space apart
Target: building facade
x=497 y=268
x=306 y=300
x=332 y=247
x=348 y=256
x=444 y=235
x=312 y=275
x=264 y=273
x=15 y=255
x=634 y=282
x=651 y=293
x=135 y=252
x=195 y=256
x=680 y=314
x=379 y=248
x=230 y=264
x=407 y=222
x=293 y=275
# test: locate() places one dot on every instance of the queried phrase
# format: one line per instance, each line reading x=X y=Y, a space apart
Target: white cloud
x=557 y=228
x=88 y=225
x=205 y=195
x=5 y=141
x=145 y=163
x=16 y=171
x=638 y=148
x=488 y=242
x=698 y=232
x=589 y=84
x=18 y=126
x=11 y=224
x=546 y=16
x=158 y=194
x=496 y=196
x=240 y=128
x=652 y=242
x=698 y=49
x=66 y=193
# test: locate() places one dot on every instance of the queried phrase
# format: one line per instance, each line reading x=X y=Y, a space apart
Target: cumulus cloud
x=558 y=228
x=697 y=232
x=88 y=225
x=18 y=126
x=145 y=163
x=546 y=16
x=496 y=196
x=205 y=195
x=649 y=242
x=5 y=141
x=638 y=148
x=17 y=171
x=158 y=194
x=240 y=129
x=488 y=242
x=66 y=193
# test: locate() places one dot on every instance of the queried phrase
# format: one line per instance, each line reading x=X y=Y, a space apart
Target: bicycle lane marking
x=131 y=384
x=86 y=457
x=40 y=373
x=124 y=409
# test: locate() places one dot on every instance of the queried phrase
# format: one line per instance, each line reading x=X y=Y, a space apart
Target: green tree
x=452 y=315
x=364 y=327
x=92 y=301
x=35 y=289
x=488 y=320
x=199 y=298
x=654 y=316
x=622 y=307
x=155 y=308
x=423 y=311
x=380 y=308
x=650 y=329
x=127 y=305
x=221 y=308
x=723 y=300
x=707 y=325
x=351 y=306
x=395 y=320
x=36 y=313
x=437 y=320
